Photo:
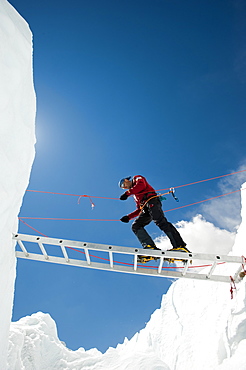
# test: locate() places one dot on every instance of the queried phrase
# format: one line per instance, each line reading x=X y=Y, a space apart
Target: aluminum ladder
x=77 y=253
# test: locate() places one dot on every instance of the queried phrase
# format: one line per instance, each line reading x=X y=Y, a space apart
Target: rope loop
x=86 y=196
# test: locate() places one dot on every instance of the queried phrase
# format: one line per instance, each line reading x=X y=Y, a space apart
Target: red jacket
x=141 y=191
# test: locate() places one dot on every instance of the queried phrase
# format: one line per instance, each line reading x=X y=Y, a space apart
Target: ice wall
x=17 y=138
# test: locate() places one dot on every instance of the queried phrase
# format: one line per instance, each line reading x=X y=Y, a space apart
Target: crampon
x=144 y=259
x=179 y=249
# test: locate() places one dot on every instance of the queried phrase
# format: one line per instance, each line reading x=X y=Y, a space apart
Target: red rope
x=205 y=200
x=72 y=195
x=31 y=227
x=93 y=196
x=212 y=178
x=91 y=219
x=243 y=264
x=233 y=286
x=64 y=219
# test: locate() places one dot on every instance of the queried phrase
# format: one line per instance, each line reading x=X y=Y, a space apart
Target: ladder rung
x=187 y=263
x=160 y=265
x=135 y=262
x=23 y=248
x=211 y=270
x=63 y=248
x=43 y=250
x=87 y=256
x=111 y=261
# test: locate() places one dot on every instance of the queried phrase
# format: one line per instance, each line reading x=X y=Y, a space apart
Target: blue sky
x=125 y=87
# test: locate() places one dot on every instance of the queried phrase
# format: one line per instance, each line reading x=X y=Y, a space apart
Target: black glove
x=125 y=219
x=123 y=196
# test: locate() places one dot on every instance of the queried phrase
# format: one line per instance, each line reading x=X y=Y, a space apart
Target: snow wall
x=17 y=138
x=198 y=326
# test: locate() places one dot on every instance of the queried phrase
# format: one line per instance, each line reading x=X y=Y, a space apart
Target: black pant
x=152 y=211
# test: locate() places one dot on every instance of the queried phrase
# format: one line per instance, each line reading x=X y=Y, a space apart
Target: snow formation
x=17 y=115
x=198 y=326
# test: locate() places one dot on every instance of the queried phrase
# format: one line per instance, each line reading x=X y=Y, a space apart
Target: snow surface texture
x=197 y=327
x=17 y=138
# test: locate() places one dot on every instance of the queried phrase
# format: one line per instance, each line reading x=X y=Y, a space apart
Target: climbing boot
x=144 y=259
x=182 y=248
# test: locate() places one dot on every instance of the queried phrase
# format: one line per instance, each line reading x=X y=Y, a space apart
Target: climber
x=149 y=209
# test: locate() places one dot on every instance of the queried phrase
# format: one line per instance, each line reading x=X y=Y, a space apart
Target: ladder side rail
x=93 y=246
x=129 y=250
x=210 y=257
x=76 y=244
x=98 y=247
x=85 y=246
x=123 y=269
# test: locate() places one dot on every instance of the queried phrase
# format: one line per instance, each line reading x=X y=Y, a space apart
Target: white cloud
x=201 y=236
x=225 y=211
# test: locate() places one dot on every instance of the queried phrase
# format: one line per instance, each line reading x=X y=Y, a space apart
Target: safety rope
x=91 y=219
x=211 y=178
x=64 y=219
x=72 y=195
x=100 y=197
x=233 y=286
x=205 y=200
x=25 y=223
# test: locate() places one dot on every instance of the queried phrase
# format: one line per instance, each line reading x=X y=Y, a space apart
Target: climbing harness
x=161 y=197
